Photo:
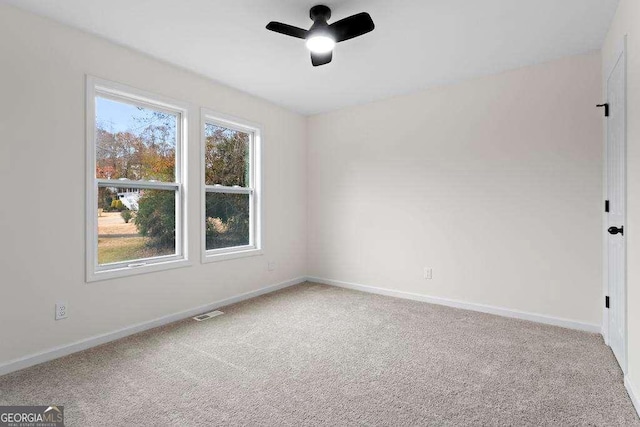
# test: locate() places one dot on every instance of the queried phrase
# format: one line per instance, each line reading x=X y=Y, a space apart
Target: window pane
x=135 y=224
x=133 y=142
x=226 y=156
x=227 y=220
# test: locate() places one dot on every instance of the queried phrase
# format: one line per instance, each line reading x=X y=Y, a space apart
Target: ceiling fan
x=322 y=37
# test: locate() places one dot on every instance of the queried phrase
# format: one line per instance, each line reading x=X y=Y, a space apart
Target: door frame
x=620 y=51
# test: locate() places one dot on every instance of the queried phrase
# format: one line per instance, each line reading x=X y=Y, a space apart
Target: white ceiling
x=416 y=43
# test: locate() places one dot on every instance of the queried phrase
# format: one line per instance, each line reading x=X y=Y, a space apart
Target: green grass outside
x=118 y=249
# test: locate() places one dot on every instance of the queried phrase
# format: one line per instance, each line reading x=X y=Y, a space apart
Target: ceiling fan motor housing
x=321 y=12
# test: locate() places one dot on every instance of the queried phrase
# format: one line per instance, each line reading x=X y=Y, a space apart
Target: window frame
x=256 y=213
x=130 y=95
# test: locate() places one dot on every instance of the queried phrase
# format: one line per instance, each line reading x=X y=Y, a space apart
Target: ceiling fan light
x=320 y=44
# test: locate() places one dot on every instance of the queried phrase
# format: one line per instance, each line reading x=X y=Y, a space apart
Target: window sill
x=97 y=276
x=224 y=256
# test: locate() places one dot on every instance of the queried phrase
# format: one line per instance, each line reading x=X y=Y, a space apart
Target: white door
x=616 y=217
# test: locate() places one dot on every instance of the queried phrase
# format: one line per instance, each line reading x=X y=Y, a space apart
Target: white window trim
x=94 y=272
x=256 y=212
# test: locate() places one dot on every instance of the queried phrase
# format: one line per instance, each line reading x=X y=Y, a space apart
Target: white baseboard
x=505 y=312
x=632 y=393
x=56 y=352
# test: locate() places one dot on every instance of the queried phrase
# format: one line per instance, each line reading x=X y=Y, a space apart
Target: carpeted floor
x=320 y=355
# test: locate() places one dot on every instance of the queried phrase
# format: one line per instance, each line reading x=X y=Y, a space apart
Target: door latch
x=616 y=230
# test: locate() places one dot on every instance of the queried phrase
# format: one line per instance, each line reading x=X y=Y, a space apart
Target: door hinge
x=606 y=206
x=606 y=108
x=606 y=301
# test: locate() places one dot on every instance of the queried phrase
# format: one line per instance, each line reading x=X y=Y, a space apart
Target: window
x=231 y=197
x=135 y=190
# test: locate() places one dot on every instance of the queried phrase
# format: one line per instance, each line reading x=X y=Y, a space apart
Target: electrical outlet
x=428 y=273
x=272 y=265
x=61 y=310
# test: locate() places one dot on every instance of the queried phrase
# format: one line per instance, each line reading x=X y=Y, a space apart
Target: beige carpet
x=319 y=355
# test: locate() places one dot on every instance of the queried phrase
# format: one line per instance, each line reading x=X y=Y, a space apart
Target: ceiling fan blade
x=321 y=58
x=287 y=29
x=353 y=26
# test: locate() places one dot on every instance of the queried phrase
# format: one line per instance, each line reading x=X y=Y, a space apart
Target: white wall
x=627 y=21
x=495 y=183
x=42 y=168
